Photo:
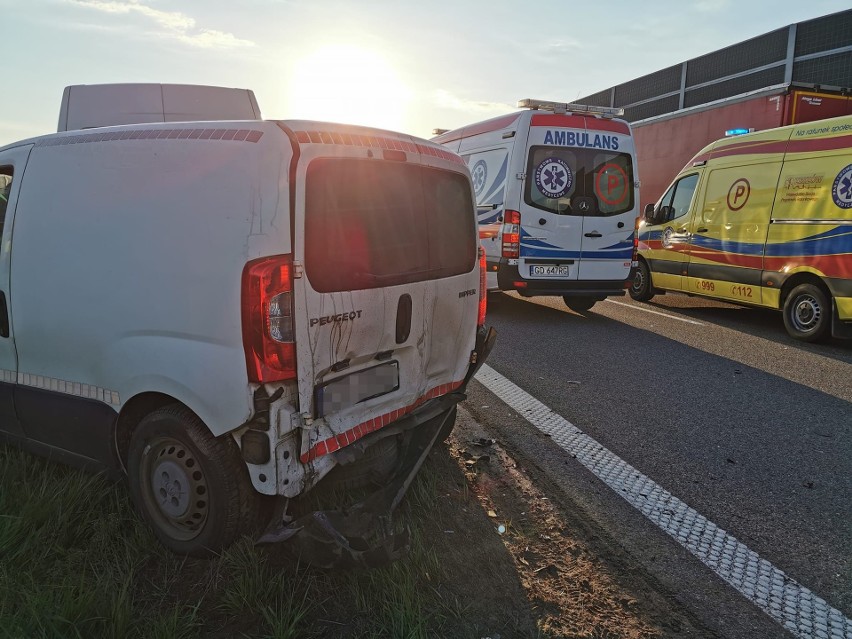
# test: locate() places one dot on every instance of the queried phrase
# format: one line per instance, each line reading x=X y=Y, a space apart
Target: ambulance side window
x=675 y=203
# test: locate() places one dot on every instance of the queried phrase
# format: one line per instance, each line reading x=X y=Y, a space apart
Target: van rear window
x=578 y=181
x=375 y=223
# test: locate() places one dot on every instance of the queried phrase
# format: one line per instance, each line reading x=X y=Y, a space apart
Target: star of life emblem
x=479 y=175
x=841 y=190
x=553 y=178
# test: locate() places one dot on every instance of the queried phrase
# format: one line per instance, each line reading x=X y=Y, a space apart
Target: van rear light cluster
x=511 y=234
x=483 y=293
x=267 y=313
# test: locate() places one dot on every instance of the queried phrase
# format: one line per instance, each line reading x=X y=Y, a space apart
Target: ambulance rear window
x=579 y=181
x=375 y=223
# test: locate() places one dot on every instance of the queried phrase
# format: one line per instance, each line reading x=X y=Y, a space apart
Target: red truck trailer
x=664 y=144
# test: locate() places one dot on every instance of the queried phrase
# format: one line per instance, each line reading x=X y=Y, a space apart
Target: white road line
x=789 y=603
x=648 y=310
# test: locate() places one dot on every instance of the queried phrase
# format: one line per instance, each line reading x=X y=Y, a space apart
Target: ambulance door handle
x=701 y=230
x=593 y=234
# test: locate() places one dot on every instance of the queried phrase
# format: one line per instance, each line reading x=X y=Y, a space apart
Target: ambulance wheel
x=807 y=313
x=192 y=488
x=579 y=304
x=641 y=290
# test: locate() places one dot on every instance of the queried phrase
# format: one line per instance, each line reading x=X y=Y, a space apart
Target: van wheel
x=192 y=488
x=641 y=290
x=807 y=313
x=579 y=304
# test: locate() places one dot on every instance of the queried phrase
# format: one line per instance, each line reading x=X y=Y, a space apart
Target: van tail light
x=483 y=293
x=267 y=313
x=511 y=234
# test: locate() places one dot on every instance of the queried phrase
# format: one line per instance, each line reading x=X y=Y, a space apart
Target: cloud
x=174 y=24
x=444 y=99
x=560 y=46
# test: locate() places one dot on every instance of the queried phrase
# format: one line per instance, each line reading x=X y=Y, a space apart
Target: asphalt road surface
x=713 y=402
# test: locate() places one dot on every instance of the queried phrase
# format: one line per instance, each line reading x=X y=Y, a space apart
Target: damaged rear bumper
x=363 y=534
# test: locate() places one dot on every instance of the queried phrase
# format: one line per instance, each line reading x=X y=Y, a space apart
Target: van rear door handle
x=701 y=230
x=403 y=318
x=593 y=234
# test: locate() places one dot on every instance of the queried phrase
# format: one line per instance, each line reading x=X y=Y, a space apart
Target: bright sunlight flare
x=344 y=83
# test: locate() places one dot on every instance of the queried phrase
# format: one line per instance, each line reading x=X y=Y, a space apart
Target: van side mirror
x=653 y=215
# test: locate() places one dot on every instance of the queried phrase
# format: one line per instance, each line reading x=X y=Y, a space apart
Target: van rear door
x=386 y=308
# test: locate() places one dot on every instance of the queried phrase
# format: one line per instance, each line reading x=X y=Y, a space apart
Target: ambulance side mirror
x=649 y=213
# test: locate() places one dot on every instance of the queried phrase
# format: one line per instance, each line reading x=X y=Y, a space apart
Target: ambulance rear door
x=607 y=239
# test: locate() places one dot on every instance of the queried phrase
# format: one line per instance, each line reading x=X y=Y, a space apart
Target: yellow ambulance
x=762 y=219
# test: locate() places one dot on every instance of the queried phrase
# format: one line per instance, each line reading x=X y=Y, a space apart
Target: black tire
x=642 y=288
x=193 y=489
x=807 y=313
x=579 y=304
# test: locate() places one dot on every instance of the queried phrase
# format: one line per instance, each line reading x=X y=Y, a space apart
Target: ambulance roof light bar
x=439 y=131
x=568 y=107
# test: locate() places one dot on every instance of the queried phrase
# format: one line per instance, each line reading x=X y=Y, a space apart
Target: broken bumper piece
x=362 y=535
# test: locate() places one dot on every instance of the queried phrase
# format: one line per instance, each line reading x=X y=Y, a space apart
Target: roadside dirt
x=549 y=574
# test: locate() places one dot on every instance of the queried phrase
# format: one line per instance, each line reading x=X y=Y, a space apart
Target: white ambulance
x=557 y=196
x=225 y=310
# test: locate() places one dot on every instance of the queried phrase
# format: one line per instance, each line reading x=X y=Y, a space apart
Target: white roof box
x=86 y=106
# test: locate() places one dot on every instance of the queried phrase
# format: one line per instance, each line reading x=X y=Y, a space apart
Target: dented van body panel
x=305 y=289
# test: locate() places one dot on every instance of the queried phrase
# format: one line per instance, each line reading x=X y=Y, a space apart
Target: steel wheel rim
x=174 y=488
x=806 y=313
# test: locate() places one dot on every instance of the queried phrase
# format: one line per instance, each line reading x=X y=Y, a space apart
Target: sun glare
x=342 y=83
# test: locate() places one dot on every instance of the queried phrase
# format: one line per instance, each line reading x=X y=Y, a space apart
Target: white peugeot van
x=225 y=310
x=558 y=196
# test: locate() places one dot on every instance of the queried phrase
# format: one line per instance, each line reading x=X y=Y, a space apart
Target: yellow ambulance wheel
x=807 y=313
x=642 y=289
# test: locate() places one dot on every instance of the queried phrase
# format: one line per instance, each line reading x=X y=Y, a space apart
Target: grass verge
x=75 y=561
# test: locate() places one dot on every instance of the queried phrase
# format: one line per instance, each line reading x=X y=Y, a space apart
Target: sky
x=396 y=64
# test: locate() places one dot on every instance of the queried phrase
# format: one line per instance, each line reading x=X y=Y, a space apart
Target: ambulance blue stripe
x=624 y=254
x=727 y=246
x=836 y=241
x=498 y=184
x=621 y=250
x=494 y=196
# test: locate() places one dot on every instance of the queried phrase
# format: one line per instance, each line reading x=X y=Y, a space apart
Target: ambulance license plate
x=549 y=270
x=355 y=388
